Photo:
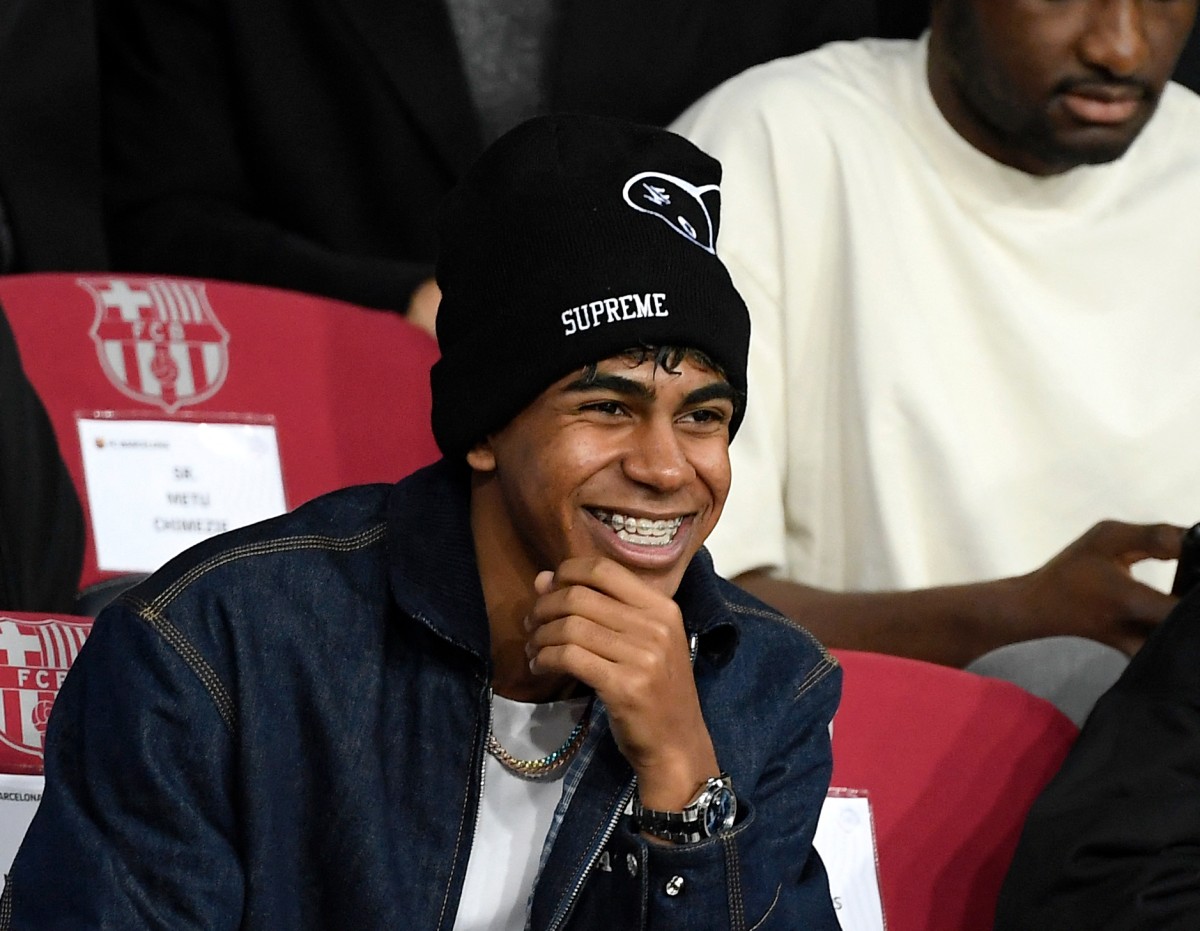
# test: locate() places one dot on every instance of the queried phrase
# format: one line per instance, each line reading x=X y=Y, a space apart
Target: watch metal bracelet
x=712 y=810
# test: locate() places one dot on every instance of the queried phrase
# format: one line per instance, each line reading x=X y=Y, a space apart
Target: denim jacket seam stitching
x=153 y=611
x=828 y=662
x=644 y=886
x=817 y=675
x=776 y=617
x=733 y=874
x=195 y=661
x=350 y=544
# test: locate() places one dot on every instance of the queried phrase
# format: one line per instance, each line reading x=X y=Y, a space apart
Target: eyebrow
x=716 y=391
x=719 y=390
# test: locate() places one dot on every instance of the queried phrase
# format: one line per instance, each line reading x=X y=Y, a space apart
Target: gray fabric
x=504 y=45
x=1070 y=672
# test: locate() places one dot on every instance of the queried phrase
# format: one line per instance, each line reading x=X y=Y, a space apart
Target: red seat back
x=348 y=388
x=36 y=650
x=951 y=762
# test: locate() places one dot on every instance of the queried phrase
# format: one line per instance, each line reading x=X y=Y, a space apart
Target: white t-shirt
x=514 y=815
x=955 y=367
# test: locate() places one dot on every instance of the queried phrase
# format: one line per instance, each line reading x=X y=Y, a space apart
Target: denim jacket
x=284 y=729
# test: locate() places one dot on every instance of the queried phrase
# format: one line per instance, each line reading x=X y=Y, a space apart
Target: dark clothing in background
x=307 y=143
x=1188 y=70
x=41 y=524
x=8 y=249
x=1114 y=840
x=903 y=19
x=50 y=175
x=49 y=137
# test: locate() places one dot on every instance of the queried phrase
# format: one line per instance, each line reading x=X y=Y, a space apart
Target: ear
x=481 y=457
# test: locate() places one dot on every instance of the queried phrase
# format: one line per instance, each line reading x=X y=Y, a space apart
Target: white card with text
x=845 y=840
x=156 y=487
x=19 y=799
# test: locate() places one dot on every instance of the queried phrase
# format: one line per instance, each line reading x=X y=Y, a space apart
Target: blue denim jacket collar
x=432 y=571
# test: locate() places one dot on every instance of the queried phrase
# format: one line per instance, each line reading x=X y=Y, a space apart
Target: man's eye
x=613 y=408
x=706 y=415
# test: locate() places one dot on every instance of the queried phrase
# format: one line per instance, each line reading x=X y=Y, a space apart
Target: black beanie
x=572 y=239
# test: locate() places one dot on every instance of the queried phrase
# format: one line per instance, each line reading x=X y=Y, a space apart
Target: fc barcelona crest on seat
x=158 y=340
x=34 y=658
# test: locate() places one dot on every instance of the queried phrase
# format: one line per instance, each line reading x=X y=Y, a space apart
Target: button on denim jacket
x=284 y=729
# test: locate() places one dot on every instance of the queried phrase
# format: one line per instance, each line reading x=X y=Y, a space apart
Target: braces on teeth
x=642 y=530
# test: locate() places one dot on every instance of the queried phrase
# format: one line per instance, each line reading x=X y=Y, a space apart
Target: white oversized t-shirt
x=956 y=367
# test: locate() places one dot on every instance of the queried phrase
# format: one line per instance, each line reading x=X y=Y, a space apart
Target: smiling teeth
x=641 y=530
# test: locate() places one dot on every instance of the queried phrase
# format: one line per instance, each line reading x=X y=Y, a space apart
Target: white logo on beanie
x=676 y=202
x=613 y=310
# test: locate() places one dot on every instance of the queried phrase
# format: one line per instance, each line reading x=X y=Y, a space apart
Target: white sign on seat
x=156 y=487
x=845 y=839
x=19 y=799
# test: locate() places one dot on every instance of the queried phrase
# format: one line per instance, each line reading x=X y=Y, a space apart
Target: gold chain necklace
x=551 y=763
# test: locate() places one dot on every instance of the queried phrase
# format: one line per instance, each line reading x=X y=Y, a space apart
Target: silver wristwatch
x=712 y=811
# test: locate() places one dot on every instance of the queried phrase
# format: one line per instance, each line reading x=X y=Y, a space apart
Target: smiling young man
x=967 y=259
x=509 y=691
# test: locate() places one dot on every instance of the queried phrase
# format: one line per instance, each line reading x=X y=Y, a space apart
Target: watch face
x=721 y=810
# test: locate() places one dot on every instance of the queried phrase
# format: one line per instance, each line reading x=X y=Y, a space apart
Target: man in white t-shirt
x=973 y=266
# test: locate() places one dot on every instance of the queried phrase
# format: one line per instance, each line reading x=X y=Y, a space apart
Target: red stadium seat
x=951 y=763
x=36 y=650
x=347 y=388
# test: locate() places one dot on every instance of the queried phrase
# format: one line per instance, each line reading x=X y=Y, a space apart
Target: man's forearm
x=1086 y=590
x=952 y=625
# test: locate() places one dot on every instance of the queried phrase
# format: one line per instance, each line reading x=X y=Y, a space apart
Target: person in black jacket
x=1114 y=840
x=41 y=524
x=307 y=143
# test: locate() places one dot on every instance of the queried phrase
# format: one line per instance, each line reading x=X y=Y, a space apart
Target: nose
x=1114 y=39
x=657 y=458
